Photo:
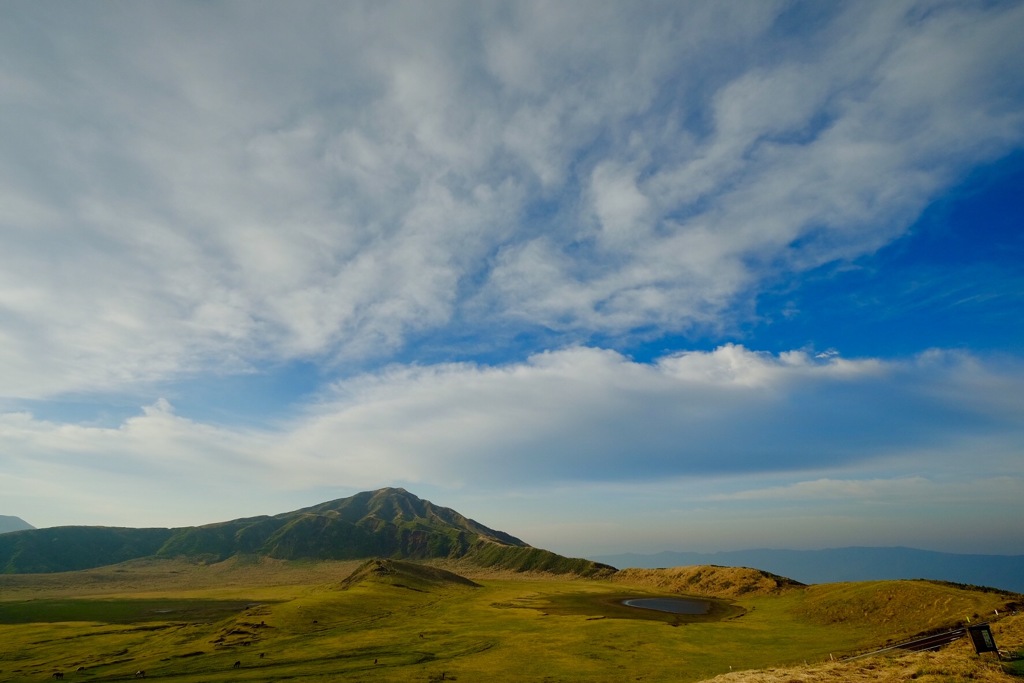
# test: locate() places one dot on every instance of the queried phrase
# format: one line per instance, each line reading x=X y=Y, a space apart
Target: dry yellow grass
x=955 y=662
x=709 y=580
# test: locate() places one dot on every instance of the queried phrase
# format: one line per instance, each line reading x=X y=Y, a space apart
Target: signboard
x=981 y=636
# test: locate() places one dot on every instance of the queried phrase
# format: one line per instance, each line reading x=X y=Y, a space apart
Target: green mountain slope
x=388 y=523
x=385 y=523
x=69 y=548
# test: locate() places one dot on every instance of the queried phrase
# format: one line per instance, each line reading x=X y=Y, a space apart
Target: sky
x=608 y=276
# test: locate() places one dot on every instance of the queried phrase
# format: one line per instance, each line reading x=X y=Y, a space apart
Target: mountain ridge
x=387 y=523
x=10 y=523
x=851 y=563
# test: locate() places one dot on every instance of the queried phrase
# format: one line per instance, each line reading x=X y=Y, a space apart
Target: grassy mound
x=409 y=575
x=899 y=605
x=709 y=580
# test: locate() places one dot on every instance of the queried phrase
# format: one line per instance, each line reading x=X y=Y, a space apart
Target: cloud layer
x=577 y=417
x=470 y=224
x=333 y=183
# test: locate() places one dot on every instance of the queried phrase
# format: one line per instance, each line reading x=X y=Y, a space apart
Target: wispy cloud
x=311 y=185
x=467 y=218
x=894 y=491
x=576 y=416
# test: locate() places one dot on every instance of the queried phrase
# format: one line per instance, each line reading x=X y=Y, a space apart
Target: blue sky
x=612 y=277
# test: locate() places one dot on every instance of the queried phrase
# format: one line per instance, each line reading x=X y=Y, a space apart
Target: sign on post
x=981 y=636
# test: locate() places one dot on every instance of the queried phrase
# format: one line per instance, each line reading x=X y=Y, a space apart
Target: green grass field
x=285 y=621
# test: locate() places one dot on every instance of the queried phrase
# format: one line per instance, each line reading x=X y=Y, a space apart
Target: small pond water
x=673 y=605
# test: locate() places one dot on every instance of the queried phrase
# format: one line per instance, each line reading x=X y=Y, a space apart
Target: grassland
x=954 y=663
x=305 y=622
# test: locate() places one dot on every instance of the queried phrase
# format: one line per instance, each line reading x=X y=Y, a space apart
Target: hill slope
x=712 y=581
x=834 y=565
x=69 y=548
x=955 y=662
x=388 y=523
x=385 y=523
x=409 y=575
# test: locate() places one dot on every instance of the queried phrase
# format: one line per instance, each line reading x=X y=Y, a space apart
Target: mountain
x=69 y=548
x=388 y=523
x=8 y=523
x=384 y=523
x=851 y=564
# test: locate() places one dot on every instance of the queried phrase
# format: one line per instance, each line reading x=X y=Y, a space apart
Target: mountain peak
x=399 y=507
x=389 y=523
x=11 y=523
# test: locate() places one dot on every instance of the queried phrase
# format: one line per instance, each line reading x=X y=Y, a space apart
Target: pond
x=673 y=605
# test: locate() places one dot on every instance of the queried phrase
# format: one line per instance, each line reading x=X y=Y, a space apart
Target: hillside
x=712 y=581
x=69 y=548
x=955 y=662
x=834 y=565
x=385 y=523
x=9 y=523
x=388 y=523
x=409 y=575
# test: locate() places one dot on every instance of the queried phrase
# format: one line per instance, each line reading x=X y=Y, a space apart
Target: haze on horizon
x=611 y=277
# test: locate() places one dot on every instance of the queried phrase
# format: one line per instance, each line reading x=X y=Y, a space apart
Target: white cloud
x=186 y=189
x=579 y=416
x=832 y=490
x=620 y=207
x=197 y=191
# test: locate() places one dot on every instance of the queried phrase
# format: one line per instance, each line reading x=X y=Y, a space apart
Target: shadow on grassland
x=118 y=611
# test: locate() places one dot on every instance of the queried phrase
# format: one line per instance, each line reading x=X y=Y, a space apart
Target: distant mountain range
x=392 y=523
x=388 y=523
x=8 y=523
x=850 y=564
